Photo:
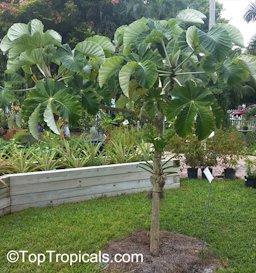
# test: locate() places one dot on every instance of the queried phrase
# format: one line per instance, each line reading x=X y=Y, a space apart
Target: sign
x=208 y=174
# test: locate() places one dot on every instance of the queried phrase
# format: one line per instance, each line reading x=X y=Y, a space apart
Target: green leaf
x=218 y=114
x=192 y=38
x=216 y=42
x=6 y=97
x=91 y=49
x=185 y=120
x=134 y=30
x=35 y=26
x=90 y=101
x=205 y=123
x=125 y=76
x=249 y=63
x=147 y=74
x=155 y=36
x=109 y=67
x=191 y=16
x=54 y=97
x=5 y=44
x=52 y=37
x=234 y=33
x=17 y=30
x=33 y=122
x=72 y=60
x=103 y=41
x=49 y=118
x=233 y=72
x=192 y=106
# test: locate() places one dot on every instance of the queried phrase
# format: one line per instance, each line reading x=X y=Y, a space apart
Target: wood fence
x=49 y=188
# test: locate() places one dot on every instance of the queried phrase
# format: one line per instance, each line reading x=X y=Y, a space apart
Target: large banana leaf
x=193 y=106
x=50 y=99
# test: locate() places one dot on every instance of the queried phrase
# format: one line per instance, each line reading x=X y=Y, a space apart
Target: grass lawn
x=89 y=226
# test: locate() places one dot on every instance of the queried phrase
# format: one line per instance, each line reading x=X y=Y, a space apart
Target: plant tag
x=208 y=174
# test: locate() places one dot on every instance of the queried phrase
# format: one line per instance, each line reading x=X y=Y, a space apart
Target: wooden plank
x=81 y=191
x=66 y=174
x=82 y=198
x=4 y=211
x=67 y=193
x=76 y=173
x=5 y=202
x=76 y=183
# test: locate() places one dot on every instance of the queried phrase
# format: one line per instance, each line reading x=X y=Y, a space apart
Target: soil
x=178 y=254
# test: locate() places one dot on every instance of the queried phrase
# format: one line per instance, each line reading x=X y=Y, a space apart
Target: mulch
x=178 y=254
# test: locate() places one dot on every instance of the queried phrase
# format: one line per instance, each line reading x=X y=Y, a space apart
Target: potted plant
x=209 y=159
x=228 y=145
x=193 y=152
x=250 y=179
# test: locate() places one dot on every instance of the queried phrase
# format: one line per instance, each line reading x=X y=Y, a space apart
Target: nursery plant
x=228 y=145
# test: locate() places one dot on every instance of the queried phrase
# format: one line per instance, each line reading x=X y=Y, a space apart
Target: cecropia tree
x=164 y=68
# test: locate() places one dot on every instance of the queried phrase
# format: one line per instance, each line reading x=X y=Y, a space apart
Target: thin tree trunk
x=157 y=181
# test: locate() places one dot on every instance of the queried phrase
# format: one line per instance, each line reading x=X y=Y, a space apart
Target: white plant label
x=208 y=174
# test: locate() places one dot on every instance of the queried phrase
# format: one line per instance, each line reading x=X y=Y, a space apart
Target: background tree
x=250 y=16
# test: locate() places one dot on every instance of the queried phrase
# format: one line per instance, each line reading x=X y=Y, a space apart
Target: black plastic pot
x=230 y=173
x=203 y=175
x=250 y=182
x=193 y=173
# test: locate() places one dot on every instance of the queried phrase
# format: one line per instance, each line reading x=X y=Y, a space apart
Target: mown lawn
x=90 y=225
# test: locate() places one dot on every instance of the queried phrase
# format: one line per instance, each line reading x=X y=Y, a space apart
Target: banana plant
x=164 y=69
x=58 y=82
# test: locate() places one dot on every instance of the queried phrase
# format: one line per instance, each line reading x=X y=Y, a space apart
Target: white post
x=212 y=12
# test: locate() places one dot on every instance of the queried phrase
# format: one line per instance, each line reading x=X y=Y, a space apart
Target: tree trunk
x=157 y=181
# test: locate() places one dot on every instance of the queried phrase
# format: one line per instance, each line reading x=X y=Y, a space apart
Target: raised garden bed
x=39 y=189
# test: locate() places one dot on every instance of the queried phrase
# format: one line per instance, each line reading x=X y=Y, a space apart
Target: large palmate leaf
x=33 y=122
x=6 y=97
x=103 y=41
x=134 y=30
x=109 y=68
x=91 y=49
x=191 y=16
x=55 y=101
x=216 y=42
x=49 y=118
x=146 y=74
x=90 y=101
x=125 y=76
x=192 y=106
x=192 y=37
x=71 y=59
x=234 y=33
x=17 y=30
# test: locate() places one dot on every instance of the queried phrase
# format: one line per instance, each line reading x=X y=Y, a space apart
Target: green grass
x=89 y=226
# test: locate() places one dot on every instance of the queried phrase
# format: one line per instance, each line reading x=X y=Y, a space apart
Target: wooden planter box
x=48 y=188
